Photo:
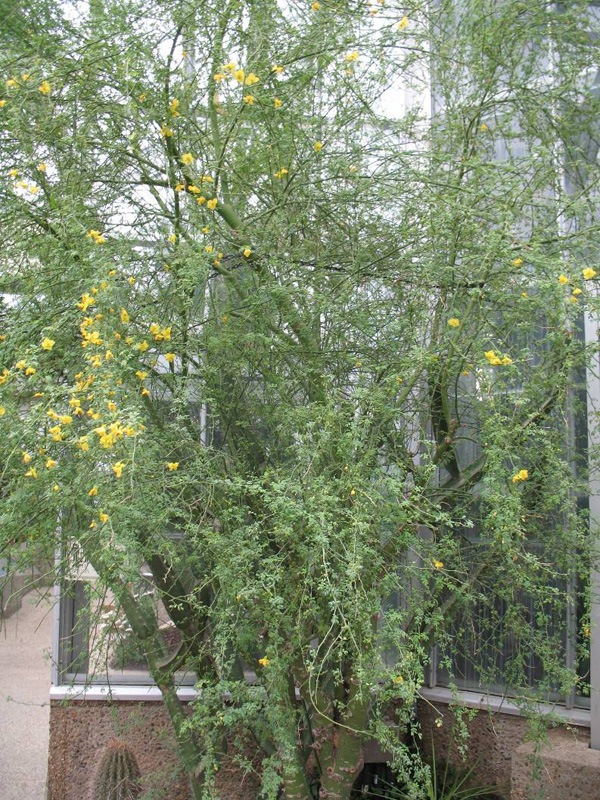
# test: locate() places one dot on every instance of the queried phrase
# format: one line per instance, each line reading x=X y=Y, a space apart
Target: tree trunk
x=342 y=770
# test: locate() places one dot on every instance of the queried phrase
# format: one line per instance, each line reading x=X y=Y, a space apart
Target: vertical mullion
x=593 y=412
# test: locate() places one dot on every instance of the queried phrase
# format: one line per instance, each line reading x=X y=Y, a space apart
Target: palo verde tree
x=292 y=312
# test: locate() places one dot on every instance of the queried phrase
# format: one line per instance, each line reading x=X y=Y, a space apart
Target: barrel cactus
x=118 y=776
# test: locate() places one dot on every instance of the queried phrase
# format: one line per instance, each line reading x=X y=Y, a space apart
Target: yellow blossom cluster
x=160 y=334
x=96 y=237
x=495 y=360
x=231 y=71
x=521 y=475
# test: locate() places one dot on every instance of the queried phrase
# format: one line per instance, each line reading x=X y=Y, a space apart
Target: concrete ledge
x=564 y=768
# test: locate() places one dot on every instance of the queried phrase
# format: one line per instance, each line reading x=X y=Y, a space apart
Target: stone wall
x=564 y=769
x=80 y=730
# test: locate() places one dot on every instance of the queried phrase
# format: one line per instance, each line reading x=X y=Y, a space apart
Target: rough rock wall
x=80 y=730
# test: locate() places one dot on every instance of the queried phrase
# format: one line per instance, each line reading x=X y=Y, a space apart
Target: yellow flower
x=438 y=564
x=118 y=468
x=264 y=662
x=111 y=406
x=145 y=393
x=172 y=465
x=249 y=99
x=131 y=281
x=318 y=147
x=56 y=487
x=93 y=491
x=521 y=475
x=201 y=200
x=142 y=346
x=83 y=444
x=516 y=262
x=20 y=365
x=187 y=158
x=42 y=167
x=26 y=458
x=93 y=524
x=142 y=97
x=173 y=106
x=453 y=322
x=2 y=411
x=103 y=517
x=179 y=187
x=493 y=359
x=14 y=173
x=97 y=238
x=276 y=68
x=398 y=679
x=589 y=273
x=353 y=56
x=44 y=88
x=67 y=419
x=141 y=375
x=207 y=179
x=280 y=173
x=165 y=131
x=209 y=248
x=229 y=67
x=277 y=103
x=252 y=79
x=50 y=463
x=483 y=127
x=239 y=75
x=31 y=473
x=247 y=252
x=124 y=316
x=577 y=291
x=403 y=23
x=2 y=103
x=562 y=279
x=316 y=5
x=170 y=357
x=47 y=344
x=30 y=371
x=166 y=333
x=219 y=77
x=212 y=204
x=154 y=328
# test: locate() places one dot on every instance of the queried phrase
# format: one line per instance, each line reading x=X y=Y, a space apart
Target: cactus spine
x=118 y=776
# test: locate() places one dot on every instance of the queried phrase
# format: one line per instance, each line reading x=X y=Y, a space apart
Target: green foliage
x=118 y=776
x=313 y=358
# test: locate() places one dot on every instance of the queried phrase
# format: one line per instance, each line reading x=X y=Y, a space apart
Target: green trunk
x=342 y=770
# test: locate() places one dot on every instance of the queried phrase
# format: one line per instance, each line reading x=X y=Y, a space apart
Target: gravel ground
x=25 y=641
